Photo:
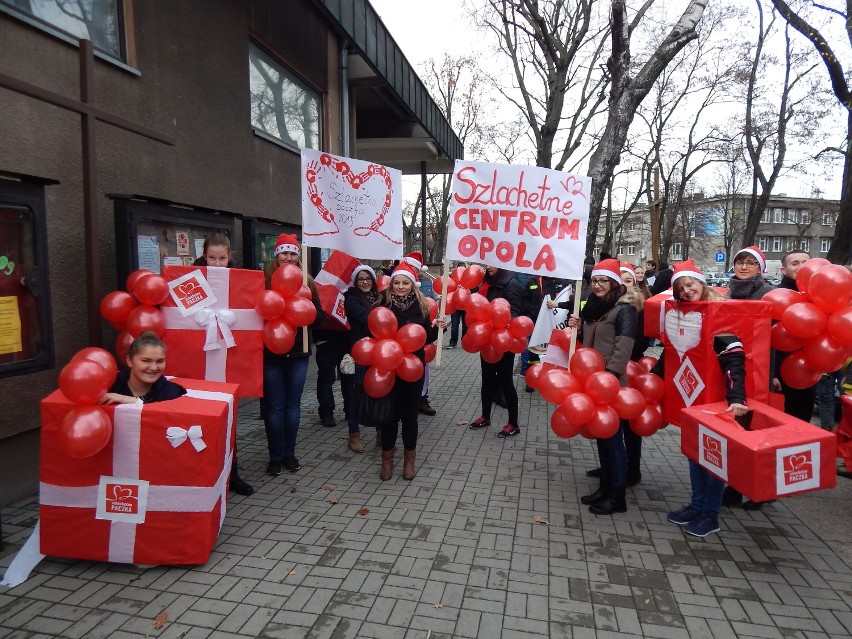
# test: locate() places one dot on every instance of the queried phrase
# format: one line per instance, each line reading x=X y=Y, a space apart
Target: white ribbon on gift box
x=177 y=435
x=216 y=319
x=127 y=436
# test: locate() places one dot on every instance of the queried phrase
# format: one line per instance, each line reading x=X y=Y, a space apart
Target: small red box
x=156 y=494
x=220 y=341
x=779 y=456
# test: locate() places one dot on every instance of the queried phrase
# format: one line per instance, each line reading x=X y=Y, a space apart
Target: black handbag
x=376 y=412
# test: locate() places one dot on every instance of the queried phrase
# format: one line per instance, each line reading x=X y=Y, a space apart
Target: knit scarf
x=402 y=302
x=746 y=289
x=372 y=297
x=595 y=308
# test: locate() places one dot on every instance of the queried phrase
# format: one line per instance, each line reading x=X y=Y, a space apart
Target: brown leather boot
x=355 y=443
x=408 y=464
x=387 y=465
x=378 y=439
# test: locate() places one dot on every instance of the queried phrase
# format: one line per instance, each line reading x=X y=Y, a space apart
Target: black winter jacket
x=504 y=285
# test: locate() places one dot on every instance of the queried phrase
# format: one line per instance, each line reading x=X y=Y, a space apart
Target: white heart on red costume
x=683 y=330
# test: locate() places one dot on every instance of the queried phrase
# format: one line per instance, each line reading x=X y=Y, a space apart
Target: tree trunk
x=841 y=245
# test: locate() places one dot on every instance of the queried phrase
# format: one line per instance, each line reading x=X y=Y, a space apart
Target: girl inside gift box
x=143 y=381
x=701 y=516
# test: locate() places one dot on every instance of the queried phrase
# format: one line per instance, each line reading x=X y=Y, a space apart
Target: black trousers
x=406 y=400
x=499 y=376
x=328 y=354
x=799 y=402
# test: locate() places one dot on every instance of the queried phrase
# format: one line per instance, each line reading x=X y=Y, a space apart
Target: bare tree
x=841 y=246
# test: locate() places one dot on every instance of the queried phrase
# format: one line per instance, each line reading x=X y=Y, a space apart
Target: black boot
x=633 y=477
x=613 y=502
x=237 y=484
x=596 y=496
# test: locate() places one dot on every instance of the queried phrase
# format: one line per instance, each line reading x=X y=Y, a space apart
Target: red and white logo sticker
x=713 y=452
x=191 y=293
x=122 y=499
x=688 y=382
x=797 y=468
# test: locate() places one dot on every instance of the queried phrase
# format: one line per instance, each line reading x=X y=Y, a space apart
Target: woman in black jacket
x=361 y=298
x=500 y=283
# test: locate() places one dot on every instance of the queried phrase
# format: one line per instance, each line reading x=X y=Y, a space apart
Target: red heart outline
x=185 y=289
x=120 y=493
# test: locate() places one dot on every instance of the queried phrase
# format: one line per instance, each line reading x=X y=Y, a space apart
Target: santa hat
x=407 y=270
x=756 y=253
x=628 y=267
x=687 y=268
x=362 y=269
x=414 y=258
x=610 y=267
x=286 y=243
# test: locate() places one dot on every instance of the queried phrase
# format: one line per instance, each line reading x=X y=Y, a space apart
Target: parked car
x=717 y=279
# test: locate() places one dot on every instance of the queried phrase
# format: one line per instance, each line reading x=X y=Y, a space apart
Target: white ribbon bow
x=177 y=435
x=217 y=322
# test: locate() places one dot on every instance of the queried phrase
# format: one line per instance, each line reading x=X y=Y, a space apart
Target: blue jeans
x=354 y=390
x=613 y=458
x=706 y=490
x=283 y=383
x=826 y=398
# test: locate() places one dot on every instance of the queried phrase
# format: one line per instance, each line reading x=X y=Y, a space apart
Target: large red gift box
x=156 y=494
x=779 y=456
x=693 y=375
x=220 y=341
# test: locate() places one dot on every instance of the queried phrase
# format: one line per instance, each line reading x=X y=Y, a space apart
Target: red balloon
x=299 y=312
x=649 y=422
x=781 y=299
x=561 y=338
x=629 y=403
x=478 y=309
x=472 y=276
x=411 y=337
x=521 y=326
x=585 y=362
x=270 y=304
x=362 y=351
x=84 y=381
x=116 y=306
x=468 y=345
x=490 y=355
x=85 y=431
x=602 y=387
x=556 y=384
x=604 y=423
x=479 y=334
x=830 y=287
x=102 y=357
x=795 y=371
x=378 y=383
x=278 y=336
x=381 y=323
x=460 y=299
x=500 y=315
x=151 y=290
x=382 y=282
x=145 y=318
x=501 y=340
x=651 y=387
x=561 y=424
x=456 y=274
x=533 y=375
x=806 y=271
x=519 y=345
x=433 y=308
x=781 y=340
x=429 y=351
x=804 y=319
x=634 y=369
x=134 y=276
x=287 y=279
x=839 y=326
x=387 y=355
x=411 y=368
x=122 y=344
x=451 y=305
x=438 y=285
x=647 y=363
x=305 y=292
x=578 y=408
x=824 y=354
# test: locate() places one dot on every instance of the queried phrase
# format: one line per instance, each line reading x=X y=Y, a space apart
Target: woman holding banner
x=498 y=377
x=609 y=323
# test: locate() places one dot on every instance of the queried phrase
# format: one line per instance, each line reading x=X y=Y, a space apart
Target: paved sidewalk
x=488 y=541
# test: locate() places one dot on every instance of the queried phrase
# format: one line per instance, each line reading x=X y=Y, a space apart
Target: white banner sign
x=351 y=205
x=522 y=218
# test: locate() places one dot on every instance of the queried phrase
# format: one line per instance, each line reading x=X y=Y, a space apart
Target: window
x=25 y=338
x=619 y=250
x=631 y=225
x=777 y=216
x=677 y=250
x=777 y=243
x=791 y=244
x=804 y=217
x=282 y=106
x=824 y=244
x=792 y=216
x=101 y=21
x=828 y=219
x=805 y=245
x=631 y=249
x=762 y=244
x=767 y=216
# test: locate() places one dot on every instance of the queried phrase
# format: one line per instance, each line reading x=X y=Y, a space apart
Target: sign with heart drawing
x=351 y=205
x=683 y=330
x=191 y=293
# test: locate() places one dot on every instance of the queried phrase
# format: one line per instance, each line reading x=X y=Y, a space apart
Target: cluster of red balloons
x=462 y=280
x=390 y=352
x=652 y=389
x=814 y=325
x=591 y=400
x=134 y=312
x=86 y=429
x=286 y=306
